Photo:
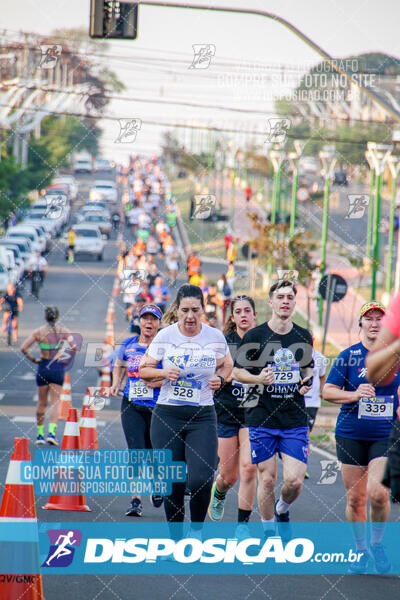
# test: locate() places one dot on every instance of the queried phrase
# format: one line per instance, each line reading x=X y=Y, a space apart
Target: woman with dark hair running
x=195 y=362
x=52 y=340
x=233 y=434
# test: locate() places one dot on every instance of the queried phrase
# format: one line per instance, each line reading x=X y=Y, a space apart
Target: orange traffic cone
x=65 y=398
x=70 y=442
x=85 y=404
x=105 y=380
x=109 y=339
x=88 y=429
x=110 y=312
x=18 y=505
x=116 y=287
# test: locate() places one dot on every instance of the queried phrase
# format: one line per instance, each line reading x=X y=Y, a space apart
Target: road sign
x=339 y=287
x=302 y=194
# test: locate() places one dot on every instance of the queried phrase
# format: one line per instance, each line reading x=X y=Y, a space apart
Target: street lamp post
x=328 y=159
x=294 y=162
x=277 y=158
x=369 y=158
x=394 y=166
x=380 y=155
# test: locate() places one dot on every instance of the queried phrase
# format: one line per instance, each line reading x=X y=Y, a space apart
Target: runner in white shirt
x=195 y=362
x=313 y=398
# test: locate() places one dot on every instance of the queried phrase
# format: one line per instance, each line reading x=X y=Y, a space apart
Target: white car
x=83 y=165
x=88 y=240
x=101 y=164
x=83 y=214
x=25 y=231
x=24 y=246
x=104 y=190
x=18 y=259
x=40 y=230
x=70 y=181
x=4 y=279
x=8 y=262
x=37 y=217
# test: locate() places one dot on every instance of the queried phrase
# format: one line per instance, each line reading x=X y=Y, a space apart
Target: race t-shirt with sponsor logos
x=279 y=405
x=196 y=357
x=136 y=389
x=370 y=418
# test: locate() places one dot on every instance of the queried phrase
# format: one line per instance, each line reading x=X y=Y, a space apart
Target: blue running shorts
x=266 y=442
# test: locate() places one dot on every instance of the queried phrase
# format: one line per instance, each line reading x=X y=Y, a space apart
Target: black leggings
x=136 y=425
x=190 y=432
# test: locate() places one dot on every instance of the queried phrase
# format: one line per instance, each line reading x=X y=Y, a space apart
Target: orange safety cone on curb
x=88 y=429
x=110 y=312
x=18 y=505
x=70 y=442
x=109 y=339
x=65 y=398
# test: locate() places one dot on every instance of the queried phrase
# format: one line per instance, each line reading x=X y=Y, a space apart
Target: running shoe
x=135 y=509
x=382 y=563
x=157 y=501
x=188 y=492
x=216 y=507
x=284 y=526
x=306 y=475
x=40 y=441
x=361 y=566
x=51 y=439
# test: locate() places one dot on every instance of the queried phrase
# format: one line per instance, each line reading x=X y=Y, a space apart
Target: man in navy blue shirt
x=362 y=438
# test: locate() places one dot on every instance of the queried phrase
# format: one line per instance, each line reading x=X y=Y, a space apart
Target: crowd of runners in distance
x=199 y=375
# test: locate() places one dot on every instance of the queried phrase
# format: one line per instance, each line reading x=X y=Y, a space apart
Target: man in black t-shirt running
x=277 y=354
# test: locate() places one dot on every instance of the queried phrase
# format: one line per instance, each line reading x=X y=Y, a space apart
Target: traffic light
x=110 y=19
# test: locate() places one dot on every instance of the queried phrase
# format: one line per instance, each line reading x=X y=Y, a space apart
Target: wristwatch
x=222 y=379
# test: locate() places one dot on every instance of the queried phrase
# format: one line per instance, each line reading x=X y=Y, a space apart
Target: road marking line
x=1 y=396
x=322 y=452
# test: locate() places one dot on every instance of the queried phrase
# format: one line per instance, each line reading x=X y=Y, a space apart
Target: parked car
x=4 y=279
x=104 y=190
x=18 y=259
x=88 y=240
x=40 y=230
x=102 y=222
x=101 y=164
x=82 y=165
x=26 y=231
x=23 y=244
x=70 y=181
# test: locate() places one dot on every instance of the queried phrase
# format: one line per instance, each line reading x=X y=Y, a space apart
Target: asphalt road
x=81 y=291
